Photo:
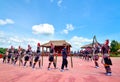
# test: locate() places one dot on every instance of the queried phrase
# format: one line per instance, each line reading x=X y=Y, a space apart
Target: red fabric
x=38 y=44
x=0 y=55
x=107 y=41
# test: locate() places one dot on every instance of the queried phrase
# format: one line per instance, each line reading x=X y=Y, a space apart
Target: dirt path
x=83 y=71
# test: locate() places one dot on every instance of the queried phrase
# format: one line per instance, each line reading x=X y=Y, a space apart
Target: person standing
x=96 y=56
x=28 y=56
x=106 y=58
x=64 y=58
x=51 y=57
x=5 y=56
x=20 y=55
x=11 y=55
x=37 y=56
x=16 y=54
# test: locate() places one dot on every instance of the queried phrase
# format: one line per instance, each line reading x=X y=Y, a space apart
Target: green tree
x=2 y=50
x=114 y=46
x=119 y=45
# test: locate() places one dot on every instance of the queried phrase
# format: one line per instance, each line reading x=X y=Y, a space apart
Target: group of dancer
x=94 y=54
x=13 y=55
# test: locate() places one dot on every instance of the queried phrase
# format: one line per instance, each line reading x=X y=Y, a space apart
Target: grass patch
x=115 y=55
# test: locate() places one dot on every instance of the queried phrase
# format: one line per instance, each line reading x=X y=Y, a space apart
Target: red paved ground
x=83 y=71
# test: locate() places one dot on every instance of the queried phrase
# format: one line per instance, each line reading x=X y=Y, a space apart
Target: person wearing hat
x=11 y=55
x=37 y=56
x=5 y=55
x=16 y=54
x=64 y=58
x=28 y=56
x=106 y=57
x=20 y=55
x=51 y=57
x=96 y=56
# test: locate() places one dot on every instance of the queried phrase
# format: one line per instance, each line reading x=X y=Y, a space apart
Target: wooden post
x=70 y=56
x=56 y=54
x=42 y=54
x=93 y=43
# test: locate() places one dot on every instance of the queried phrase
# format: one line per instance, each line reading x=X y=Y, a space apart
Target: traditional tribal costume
x=5 y=56
x=64 y=58
x=51 y=57
x=11 y=55
x=96 y=56
x=37 y=56
x=28 y=56
x=106 y=57
x=15 y=56
x=20 y=55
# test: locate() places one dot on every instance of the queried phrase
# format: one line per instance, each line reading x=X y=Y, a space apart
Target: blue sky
x=24 y=22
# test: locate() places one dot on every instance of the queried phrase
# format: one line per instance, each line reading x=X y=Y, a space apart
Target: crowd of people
x=23 y=56
x=18 y=55
x=94 y=53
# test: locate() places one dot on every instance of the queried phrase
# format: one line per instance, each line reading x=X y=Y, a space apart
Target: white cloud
x=23 y=42
x=65 y=31
x=77 y=42
x=6 y=21
x=59 y=3
x=8 y=40
x=15 y=41
x=46 y=29
x=1 y=34
x=69 y=27
x=9 y=21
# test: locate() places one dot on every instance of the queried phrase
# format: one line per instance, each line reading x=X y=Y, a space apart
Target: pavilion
x=58 y=44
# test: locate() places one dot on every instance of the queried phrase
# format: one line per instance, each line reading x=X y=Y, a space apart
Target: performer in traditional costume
x=51 y=57
x=96 y=51
x=11 y=55
x=64 y=58
x=106 y=57
x=37 y=56
x=5 y=56
x=15 y=56
x=20 y=55
x=28 y=56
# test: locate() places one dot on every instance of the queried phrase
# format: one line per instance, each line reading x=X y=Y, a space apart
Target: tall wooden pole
x=93 y=43
x=42 y=54
x=56 y=54
x=70 y=57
